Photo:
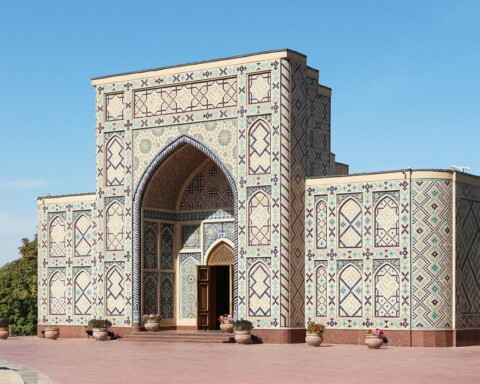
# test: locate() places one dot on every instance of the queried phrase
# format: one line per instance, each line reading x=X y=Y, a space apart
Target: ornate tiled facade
x=467 y=261
x=379 y=250
x=432 y=257
x=188 y=289
x=236 y=153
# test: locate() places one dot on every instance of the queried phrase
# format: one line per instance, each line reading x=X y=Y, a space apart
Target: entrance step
x=181 y=336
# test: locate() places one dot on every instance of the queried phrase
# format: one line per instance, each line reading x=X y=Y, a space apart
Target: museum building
x=217 y=192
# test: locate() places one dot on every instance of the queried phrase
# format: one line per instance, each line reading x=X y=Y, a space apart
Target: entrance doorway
x=214 y=291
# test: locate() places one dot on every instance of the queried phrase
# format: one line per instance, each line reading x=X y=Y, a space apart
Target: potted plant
x=4 y=328
x=242 y=331
x=374 y=338
x=314 y=337
x=226 y=323
x=151 y=322
x=52 y=332
x=100 y=328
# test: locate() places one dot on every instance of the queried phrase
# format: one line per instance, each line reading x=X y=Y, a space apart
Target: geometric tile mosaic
x=208 y=189
x=188 y=97
x=167 y=298
x=115 y=292
x=217 y=230
x=115 y=227
x=321 y=225
x=259 y=290
x=265 y=260
x=387 y=291
x=115 y=162
x=469 y=257
x=321 y=283
x=352 y=300
x=57 y=294
x=432 y=255
x=220 y=136
x=68 y=298
x=83 y=293
x=115 y=107
x=318 y=130
x=221 y=255
x=190 y=236
x=166 y=248
x=387 y=225
x=57 y=237
x=297 y=164
x=259 y=88
x=83 y=237
x=259 y=146
x=350 y=291
x=159 y=280
x=259 y=219
x=188 y=216
x=350 y=222
x=165 y=186
x=150 y=290
x=188 y=289
x=150 y=246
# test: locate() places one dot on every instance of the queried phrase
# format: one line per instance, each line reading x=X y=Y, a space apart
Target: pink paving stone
x=89 y=361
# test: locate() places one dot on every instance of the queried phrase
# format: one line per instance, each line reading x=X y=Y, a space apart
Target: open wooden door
x=206 y=307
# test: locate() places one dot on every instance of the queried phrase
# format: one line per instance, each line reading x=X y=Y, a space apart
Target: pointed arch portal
x=185 y=198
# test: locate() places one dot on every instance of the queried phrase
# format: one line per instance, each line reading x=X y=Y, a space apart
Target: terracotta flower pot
x=243 y=337
x=100 y=334
x=314 y=339
x=4 y=333
x=152 y=326
x=373 y=342
x=52 y=334
x=226 y=327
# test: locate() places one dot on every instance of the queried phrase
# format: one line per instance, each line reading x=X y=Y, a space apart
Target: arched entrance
x=221 y=254
x=183 y=205
x=215 y=286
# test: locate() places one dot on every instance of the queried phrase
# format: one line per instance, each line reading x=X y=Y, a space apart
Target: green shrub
x=96 y=323
x=242 y=325
x=18 y=290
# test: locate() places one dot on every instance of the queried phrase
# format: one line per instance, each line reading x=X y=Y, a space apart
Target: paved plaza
x=88 y=361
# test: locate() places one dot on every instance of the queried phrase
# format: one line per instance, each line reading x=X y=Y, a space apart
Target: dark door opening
x=214 y=295
x=222 y=299
x=214 y=287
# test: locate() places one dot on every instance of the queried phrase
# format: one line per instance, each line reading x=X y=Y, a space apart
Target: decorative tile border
x=188 y=216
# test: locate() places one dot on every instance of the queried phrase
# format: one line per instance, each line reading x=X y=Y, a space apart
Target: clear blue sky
x=405 y=78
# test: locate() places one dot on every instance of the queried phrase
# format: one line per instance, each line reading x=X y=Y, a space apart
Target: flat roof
x=68 y=195
x=264 y=55
x=451 y=171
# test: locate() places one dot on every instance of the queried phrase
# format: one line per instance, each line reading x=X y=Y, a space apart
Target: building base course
x=396 y=338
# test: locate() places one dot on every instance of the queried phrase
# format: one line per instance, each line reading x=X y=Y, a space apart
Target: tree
x=18 y=289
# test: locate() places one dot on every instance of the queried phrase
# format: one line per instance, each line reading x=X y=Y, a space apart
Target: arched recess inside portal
x=221 y=254
x=215 y=283
x=214 y=245
x=166 y=180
